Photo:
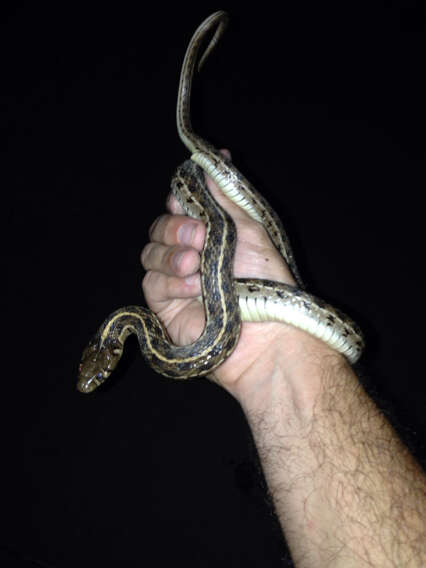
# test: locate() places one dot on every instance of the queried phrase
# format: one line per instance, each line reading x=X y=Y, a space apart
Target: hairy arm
x=346 y=491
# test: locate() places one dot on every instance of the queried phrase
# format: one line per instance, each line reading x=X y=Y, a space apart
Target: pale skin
x=346 y=490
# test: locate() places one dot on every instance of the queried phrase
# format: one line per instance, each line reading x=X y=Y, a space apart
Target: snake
x=227 y=301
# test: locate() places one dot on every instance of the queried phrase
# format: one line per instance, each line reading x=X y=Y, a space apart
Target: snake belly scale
x=226 y=300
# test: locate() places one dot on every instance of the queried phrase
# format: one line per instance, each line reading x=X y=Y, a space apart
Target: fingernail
x=186 y=233
x=192 y=279
x=177 y=258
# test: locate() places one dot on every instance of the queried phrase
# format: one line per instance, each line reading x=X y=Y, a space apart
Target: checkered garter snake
x=226 y=300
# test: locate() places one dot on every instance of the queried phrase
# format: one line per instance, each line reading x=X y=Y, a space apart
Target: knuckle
x=164 y=230
x=184 y=261
x=171 y=287
x=170 y=229
x=149 y=281
x=156 y=230
x=145 y=255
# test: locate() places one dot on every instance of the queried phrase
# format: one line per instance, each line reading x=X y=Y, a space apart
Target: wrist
x=290 y=370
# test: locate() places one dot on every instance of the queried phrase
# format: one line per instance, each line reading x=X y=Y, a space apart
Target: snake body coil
x=226 y=300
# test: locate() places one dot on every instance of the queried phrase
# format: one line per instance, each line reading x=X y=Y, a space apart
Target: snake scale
x=226 y=300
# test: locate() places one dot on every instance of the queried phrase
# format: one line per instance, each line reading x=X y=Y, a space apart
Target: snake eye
x=99 y=376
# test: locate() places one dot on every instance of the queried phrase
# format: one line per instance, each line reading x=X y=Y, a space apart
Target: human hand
x=172 y=285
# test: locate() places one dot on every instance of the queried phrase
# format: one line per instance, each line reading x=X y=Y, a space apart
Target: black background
x=322 y=108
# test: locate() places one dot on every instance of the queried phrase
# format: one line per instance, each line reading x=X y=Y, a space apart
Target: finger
x=174 y=206
x=173 y=230
x=159 y=288
x=170 y=260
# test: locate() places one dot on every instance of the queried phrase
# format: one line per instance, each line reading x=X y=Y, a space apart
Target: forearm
x=345 y=489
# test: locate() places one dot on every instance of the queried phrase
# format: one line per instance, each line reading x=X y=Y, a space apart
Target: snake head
x=97 y=363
